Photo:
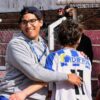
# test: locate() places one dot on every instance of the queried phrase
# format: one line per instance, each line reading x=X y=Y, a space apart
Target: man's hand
x=18 y=96
x=74 y=79
x=71 y=10
x=83 y=54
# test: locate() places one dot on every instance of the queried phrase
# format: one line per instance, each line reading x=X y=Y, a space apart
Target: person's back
x=69 y=60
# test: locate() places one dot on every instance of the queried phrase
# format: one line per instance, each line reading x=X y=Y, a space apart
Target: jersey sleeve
x=51 y=62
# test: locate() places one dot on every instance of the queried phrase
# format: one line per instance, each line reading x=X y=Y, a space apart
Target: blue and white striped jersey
x=69 y=60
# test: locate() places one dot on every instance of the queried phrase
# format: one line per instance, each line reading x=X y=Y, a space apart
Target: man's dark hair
x=32 y=10
x=69 y=33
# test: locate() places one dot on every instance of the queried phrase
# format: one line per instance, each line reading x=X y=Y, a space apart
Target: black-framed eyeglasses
x=31 y=21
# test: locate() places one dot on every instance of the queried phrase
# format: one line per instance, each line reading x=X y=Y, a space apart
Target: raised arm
x=74 y=13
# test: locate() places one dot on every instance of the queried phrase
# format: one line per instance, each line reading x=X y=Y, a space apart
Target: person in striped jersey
x=70 y=60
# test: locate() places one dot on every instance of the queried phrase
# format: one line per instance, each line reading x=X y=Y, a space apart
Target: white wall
x=17 y=5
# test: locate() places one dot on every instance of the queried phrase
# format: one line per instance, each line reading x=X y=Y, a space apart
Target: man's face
x=30 y=26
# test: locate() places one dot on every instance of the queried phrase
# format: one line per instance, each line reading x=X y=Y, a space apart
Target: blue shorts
x=3 y=98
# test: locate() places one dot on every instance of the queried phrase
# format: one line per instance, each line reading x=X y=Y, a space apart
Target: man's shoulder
x=17 y=42
x=17 y=39
x=60 y=51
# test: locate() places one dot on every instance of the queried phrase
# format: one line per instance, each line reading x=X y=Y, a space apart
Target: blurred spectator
x=86 y=46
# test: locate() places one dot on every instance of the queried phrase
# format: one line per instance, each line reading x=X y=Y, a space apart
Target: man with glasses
x=25 y=59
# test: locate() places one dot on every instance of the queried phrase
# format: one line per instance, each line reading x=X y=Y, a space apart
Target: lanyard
x=33 y=50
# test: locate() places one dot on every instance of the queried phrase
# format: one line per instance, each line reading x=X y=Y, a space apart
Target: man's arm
x=20 y=58
x=35 y=87
x=22 y=95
